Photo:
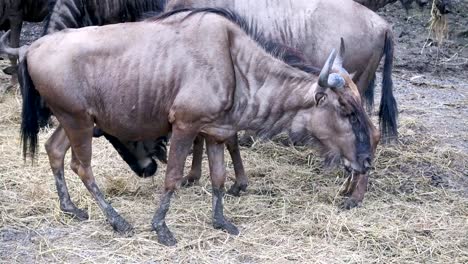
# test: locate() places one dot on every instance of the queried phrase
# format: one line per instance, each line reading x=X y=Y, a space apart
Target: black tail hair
x=34 y=111
x=388 y=113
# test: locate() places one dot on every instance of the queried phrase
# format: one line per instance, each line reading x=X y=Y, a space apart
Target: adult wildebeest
x=196 y=72
x=306 y=25
x=81 y=13
x=12 y=15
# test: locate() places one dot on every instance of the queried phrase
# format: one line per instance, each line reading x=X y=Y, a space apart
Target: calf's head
x=337 y=120
x=138 y=155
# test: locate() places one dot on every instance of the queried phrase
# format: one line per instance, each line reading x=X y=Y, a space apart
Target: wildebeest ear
x=320 y=97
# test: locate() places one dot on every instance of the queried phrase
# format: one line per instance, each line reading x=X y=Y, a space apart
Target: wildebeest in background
x=197 y=73
x=82 y=13
x=12 y=15
x=377 y=4
x=307 y=25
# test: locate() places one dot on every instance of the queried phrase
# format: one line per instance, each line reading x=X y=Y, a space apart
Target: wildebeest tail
x=388 y=107
x=34 y=112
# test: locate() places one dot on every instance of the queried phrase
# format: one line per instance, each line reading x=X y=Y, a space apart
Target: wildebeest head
x=138 y=155
x=338 y=120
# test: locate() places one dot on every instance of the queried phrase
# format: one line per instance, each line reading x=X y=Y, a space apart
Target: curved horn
x=325 y=72
x=6 y=49
x=339 y=59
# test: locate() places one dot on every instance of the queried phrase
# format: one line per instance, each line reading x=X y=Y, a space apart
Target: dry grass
x=415 y=211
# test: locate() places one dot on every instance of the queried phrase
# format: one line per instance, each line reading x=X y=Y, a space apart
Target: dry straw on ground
x=415 y=211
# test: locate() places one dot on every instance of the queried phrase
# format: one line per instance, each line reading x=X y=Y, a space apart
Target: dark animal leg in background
x=81 y=140
x=242 y=181
x=16 y=22
x=180 y=148
x=195 y=172
x=56 y=147
x=369 y=95
x=218 y=176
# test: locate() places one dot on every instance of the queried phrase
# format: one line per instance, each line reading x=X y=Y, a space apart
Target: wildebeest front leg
x=218 y=177
x=241 y=182
x=195 y=172
x=56 y=147
x=180 y=148
x=81 y=139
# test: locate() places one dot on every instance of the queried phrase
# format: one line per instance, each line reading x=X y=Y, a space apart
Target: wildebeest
x=188 y=74
x=306 y=25
x=82 y=13
x=12 y=15
x=377 y=4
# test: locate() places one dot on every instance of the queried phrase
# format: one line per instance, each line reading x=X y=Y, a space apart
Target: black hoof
x=188 y=182
x=350 y=203
x=237 y=188
x=121 y=226
x=76 y=213
x=226 y=226
x=165 y=235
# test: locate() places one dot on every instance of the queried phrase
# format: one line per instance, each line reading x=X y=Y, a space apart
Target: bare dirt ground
x=416 y=210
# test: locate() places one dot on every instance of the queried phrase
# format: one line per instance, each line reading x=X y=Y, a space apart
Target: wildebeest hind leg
x=195 y=172
x=181 y=142
x=81 y=138
x=241 y=182
x=218 y=176
x=56 y=147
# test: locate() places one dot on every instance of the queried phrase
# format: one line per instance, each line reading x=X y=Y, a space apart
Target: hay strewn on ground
x=415 y=211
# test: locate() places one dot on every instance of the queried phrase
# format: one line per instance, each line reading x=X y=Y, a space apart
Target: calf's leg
x=195 y=172
x=242 y=181
x=232 y=144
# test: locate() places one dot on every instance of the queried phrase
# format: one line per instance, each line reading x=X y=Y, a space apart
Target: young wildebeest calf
x=185 y=73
